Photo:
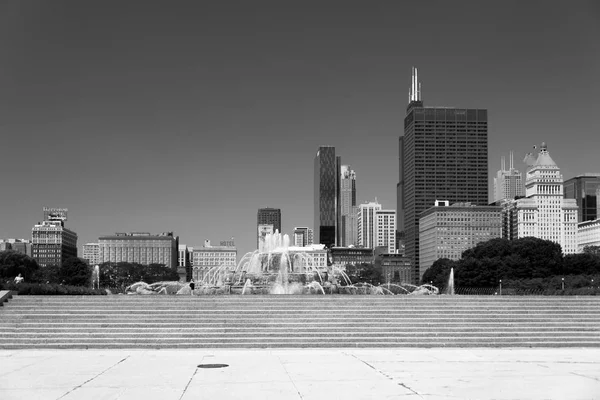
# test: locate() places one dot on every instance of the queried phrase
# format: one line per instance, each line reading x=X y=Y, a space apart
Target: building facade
x=303 y=236
x=91 y=253
x=268 y=216
x=446 y=231
x=385 y=230
x=588 y=234
x=544 y=213
x=327 y=205
x=348 y=208
x=139 y=247
x=585 y=189
x=22 y=246
x=395 y=268
x=508 y=183
x=443 y=155
x=366 y=224
x=342 y=256
x=184 y=262
x=51 y=242
x=207 y=258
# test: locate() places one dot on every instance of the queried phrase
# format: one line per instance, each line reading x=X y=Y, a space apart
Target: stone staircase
x=284 y=321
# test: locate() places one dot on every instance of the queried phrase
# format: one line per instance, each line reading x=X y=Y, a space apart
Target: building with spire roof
x=443 y=154
x=508 y=183
x=544 y=213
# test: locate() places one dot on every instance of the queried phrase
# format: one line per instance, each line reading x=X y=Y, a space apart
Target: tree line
x=527 y=259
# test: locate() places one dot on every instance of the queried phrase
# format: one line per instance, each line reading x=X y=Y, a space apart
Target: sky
x=188 y=116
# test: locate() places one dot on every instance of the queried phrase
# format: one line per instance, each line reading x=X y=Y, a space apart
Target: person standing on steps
x=192 y=285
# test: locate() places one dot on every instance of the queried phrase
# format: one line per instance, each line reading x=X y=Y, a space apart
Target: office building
x=303 y=236
x=51 y=242
x=342 y=256
x=585 y=189
x=207 y=258
x=395 y=268
x=366 y=224
x=139 y=247
x=91 y=253
x=508 y=183
x=385 y=230
x=348 y=209
x=443 y=155
x=22 y=246
x=327 y=207
x=268 y=216
x=544 y=213
x=588 y=234
x=446 y=231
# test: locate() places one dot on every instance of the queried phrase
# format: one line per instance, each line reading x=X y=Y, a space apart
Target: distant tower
x=348 y=206
x=367 y=224
x=544 y=213
x=326 y=196
x=509 y=182
x=268 y=216
x=443 y=155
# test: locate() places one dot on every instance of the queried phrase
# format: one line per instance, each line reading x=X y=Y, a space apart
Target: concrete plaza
x=457 y=373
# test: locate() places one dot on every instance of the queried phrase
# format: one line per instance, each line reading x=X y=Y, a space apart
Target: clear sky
x=189 y=116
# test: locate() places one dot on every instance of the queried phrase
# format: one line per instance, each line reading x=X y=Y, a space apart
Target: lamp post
x=500 y=287
x=563 y=283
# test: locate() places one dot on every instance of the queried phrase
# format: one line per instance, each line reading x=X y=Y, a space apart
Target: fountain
x=278 y=268
x=450 y=288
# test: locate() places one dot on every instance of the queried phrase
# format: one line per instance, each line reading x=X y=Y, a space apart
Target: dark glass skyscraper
x=326 y=196
x=585 y=189
x=269 y=216
x=443 y=156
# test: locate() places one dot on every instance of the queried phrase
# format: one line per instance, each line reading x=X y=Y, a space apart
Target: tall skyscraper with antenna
x=508 y=183
x=443 y=155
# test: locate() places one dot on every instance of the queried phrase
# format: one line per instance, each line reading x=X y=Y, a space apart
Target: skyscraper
x=385 y=230
x=508 y=183
x=348 y=206
x=544 y=213
x=367 y=222
x=443 y=155
x=326 y=196
x=268 y=216
x=584 y=188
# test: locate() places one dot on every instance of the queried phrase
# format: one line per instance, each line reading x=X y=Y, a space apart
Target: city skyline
x=190 y=119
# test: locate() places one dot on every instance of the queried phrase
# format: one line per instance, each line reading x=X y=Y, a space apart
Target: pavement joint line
x=585 y=376
x=25 y=366
x=386 y=375
x=191 y=378
x=91 y=379
x=290 y=378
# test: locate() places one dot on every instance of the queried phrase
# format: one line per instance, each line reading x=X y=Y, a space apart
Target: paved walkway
x=302 y=374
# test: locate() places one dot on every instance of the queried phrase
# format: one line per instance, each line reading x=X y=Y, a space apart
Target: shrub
x=50 y=289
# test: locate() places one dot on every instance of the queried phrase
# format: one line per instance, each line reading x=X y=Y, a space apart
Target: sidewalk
x=476 y=373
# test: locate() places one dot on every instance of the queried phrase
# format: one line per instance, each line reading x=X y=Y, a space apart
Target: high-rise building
x=445 y=230
x=443 y=155
x=268 y=216
x=91 y=253
x=140 y=247
x=585 y=190
x=508 y=183
x=385 y=230
x=326 y=196
x=348 y=208
x=367 y=222
x=303 y=236
x=51 y=242
x=544 y=213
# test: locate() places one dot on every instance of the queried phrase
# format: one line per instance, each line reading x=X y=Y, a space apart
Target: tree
x=364 y=273
x=75 y=271
x=592 y=250
x=13 y=263
x=439 y=273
